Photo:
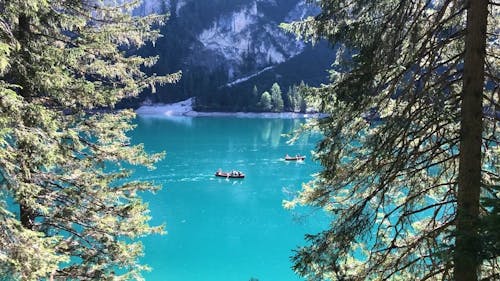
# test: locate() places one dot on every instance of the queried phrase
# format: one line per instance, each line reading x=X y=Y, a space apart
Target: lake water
x=220 y=229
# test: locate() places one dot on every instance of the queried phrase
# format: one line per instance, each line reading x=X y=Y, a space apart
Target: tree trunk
x=23 y=36
x=466 y=257
x=27 y=217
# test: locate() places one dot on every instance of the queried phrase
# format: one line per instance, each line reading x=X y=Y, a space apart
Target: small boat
x=295 y=158
x=232 y=174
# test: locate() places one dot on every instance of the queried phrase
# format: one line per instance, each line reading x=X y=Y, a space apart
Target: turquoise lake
x=225 y=229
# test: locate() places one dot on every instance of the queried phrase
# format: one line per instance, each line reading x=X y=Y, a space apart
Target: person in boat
x=235 y=173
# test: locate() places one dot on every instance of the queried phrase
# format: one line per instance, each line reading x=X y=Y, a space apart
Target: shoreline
x=185 y=109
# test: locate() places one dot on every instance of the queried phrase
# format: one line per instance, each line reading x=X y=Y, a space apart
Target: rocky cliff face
x=227 y=42
x=246 y=40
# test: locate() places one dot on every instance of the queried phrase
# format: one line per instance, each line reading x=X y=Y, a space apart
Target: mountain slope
x=221 y=44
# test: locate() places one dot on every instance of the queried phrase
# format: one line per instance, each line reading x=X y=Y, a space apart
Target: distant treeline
x=179 y=41
x=205 y=75
x=265 y=100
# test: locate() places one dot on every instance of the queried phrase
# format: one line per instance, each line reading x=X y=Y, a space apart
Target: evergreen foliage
x=490 y=225
x=67 y=211
x=404 y=191
x=255 y=102
x=276 y=99
x=266 y=101
x=295 y=98
x=255 y=95
x=287 y=99
x=206 y=74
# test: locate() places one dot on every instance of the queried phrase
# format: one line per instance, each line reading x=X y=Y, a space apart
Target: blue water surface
x=225 y=229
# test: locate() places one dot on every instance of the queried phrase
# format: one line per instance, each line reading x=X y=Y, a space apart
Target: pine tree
x=255 y=92
x=294 y=98
x=288 y=100
x=265 y=101
x=62 y=158
x=404 y=192
x=276 y=99
x=301 y=91
x=254 y=98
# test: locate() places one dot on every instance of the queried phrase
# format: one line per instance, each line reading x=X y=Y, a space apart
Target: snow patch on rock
x=185 y=108
x=181 y=108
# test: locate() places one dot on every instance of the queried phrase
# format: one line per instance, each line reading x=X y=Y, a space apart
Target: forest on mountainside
x=209 y=75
